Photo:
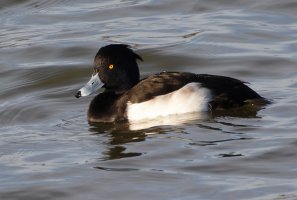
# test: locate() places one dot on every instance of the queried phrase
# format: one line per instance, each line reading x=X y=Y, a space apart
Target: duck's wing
x=226 y=92
x=159 y=84
x=229 y=92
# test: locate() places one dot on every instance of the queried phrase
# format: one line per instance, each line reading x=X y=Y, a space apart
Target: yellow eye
x=110 y=66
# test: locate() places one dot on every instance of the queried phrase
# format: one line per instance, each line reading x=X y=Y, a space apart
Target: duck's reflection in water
x=120 y=134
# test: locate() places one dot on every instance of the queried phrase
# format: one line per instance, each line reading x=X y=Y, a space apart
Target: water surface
x=49 y=151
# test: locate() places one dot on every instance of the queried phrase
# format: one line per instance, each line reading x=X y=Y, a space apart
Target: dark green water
x=49 y=151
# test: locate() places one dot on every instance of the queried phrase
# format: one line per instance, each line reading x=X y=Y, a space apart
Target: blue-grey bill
x=92 y=86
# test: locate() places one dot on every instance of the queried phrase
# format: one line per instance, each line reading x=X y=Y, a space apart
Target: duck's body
x=128 y=98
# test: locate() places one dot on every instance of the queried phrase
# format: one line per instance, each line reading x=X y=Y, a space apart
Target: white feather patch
x=190 y=98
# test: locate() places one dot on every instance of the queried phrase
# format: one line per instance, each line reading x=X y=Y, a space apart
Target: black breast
x=107 y=107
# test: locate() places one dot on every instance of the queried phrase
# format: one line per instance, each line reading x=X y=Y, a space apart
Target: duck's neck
x=122 y=88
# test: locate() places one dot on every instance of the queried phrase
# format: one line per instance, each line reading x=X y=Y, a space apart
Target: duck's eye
x=110 y=66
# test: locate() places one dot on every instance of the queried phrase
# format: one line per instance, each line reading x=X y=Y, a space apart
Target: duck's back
x=225 y=91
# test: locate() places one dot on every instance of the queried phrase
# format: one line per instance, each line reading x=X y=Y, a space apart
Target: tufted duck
x=126 y=97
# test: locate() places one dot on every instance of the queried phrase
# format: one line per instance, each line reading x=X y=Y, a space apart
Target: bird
x=126 y=97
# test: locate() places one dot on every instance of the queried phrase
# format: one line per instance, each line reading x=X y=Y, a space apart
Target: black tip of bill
x=78 y=94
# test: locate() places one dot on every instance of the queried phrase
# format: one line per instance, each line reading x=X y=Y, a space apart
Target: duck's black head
x=116 y=67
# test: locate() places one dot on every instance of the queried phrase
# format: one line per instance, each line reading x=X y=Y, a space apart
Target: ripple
x=48 y=149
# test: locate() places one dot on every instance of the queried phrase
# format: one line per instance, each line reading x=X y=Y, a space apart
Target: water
x=49 y=151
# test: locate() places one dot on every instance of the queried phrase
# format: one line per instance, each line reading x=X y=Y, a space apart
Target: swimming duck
x=127 y=98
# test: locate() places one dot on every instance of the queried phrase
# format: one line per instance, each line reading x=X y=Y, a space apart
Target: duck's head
x=115 y=68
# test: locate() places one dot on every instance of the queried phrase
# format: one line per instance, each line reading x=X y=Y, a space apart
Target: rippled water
x=49 y=151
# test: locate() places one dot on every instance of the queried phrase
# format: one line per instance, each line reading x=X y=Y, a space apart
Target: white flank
x=190 y=98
